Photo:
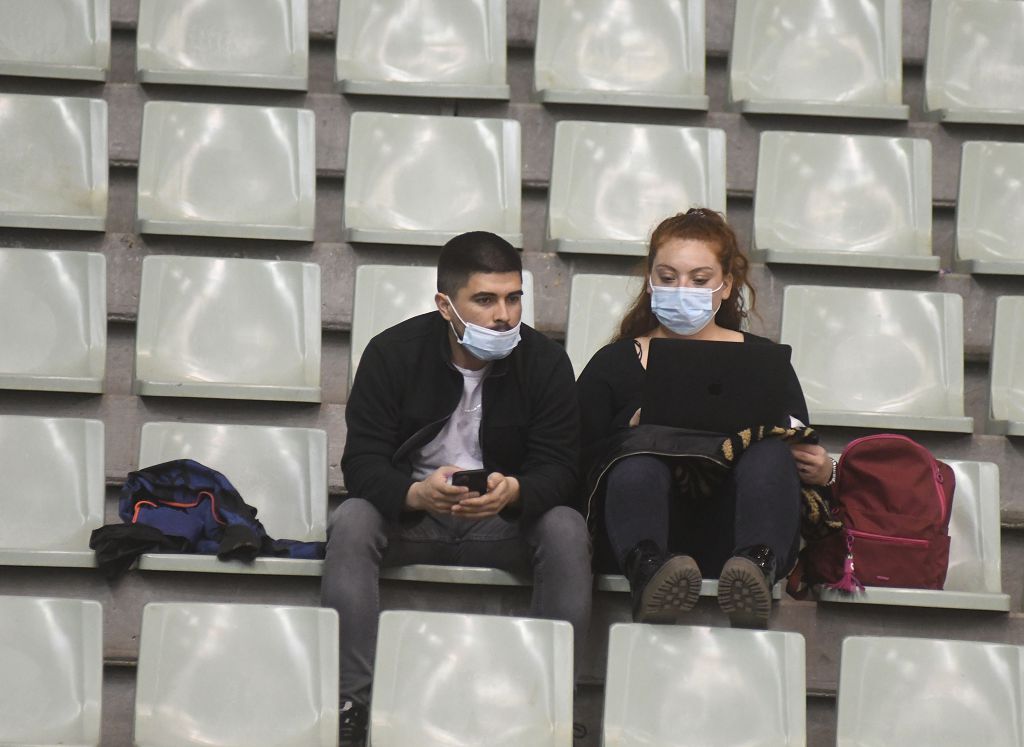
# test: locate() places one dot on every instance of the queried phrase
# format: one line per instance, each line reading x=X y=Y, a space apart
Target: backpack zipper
x=936 y=473
x=910 y=541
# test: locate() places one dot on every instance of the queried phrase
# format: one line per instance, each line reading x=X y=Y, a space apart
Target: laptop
x=721 y=387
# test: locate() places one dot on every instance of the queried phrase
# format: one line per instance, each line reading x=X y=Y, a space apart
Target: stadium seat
x=667 y=681
x=846 y=200
x=51 y=659
x=903 y=691
x=974 y=578
x=974 y=71
x=248 y=43
x=895 y=358
x=388 y=294
x=423 y=179
x=990 y=209
x=450 y=49
x=818 y=57
x=53 y=162
x=452 y=679
x=53 y=317
x=1006 y=394
x=626 y=54
x=611 y=184
x=281 y=472
x=51 y=490
x=227 y=170
x=237 y=675
x=63 y=39
x=597 y=304
x=228 y=328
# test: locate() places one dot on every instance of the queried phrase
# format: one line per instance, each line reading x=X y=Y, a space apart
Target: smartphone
x=474 y=479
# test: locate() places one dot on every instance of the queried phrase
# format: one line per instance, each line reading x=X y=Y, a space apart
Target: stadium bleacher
x=78 y=177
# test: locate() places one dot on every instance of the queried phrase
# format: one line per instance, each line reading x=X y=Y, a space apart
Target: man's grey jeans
x=360 y=541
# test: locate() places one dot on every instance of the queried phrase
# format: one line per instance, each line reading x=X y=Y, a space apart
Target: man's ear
x=443 y=306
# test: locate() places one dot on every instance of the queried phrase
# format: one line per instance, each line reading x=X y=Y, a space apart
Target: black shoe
x=353 y=718
x=663 y=586
x=745 y=587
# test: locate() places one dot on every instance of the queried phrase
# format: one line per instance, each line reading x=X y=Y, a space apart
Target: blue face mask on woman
x=482 y=343
x=685 y=311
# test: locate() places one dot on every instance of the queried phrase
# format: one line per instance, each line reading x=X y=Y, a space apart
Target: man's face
x=489 y=299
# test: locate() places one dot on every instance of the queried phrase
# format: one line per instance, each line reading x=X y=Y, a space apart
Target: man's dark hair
x=476 y=251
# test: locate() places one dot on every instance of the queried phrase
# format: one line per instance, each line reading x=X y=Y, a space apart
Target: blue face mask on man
x=482 y=343
x=685 y=311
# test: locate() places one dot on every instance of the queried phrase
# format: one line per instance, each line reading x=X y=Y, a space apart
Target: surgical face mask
x=482 y=343
x=685 y=311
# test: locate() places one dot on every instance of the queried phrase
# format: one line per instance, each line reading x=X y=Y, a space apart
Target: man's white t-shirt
x=458 y=443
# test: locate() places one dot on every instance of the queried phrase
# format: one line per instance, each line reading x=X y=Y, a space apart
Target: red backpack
x=894 y=499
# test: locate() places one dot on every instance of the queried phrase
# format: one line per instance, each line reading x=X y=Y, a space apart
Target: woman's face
x=690 y=263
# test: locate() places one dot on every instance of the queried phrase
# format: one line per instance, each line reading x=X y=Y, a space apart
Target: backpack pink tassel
x=849 y=583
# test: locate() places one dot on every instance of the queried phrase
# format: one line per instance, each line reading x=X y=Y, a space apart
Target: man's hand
x=813 y=463
x=434 y=493
x=501 y=491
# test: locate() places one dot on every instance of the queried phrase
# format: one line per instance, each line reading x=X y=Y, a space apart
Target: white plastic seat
x=846 y=200
x=1006 y=393
x=894 y=358
x=55 y=39
x=611 y=184
x=227 y=170
x=444 y=679
x=974 y=577
x=440 y=48
x=974 y=71
x=597 y=304
x=423 y=179
x=237 y=675
x=281 y=472
x=53 y=162
x=388 y=294
x=667 y=681
x=839 y=58
x=648 y=53
x=229 y=328
x=51 y=490
x=248 y=43
x=990 y=209
x=902 y=691
x=53 y=320
x=51 y=656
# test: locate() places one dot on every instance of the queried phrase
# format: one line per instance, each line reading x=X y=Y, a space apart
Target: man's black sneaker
x=352 y=718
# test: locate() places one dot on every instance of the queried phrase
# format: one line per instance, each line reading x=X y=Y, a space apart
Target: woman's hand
x=813 y=463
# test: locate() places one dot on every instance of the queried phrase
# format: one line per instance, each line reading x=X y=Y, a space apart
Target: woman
x=646 y=493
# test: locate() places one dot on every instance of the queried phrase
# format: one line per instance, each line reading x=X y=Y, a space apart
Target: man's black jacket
x=406 y=388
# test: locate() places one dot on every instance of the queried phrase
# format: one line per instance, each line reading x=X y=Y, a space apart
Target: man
x=464 y=387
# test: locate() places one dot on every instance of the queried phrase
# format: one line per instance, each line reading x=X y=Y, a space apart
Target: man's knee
x=563 y=529
x=356 y=522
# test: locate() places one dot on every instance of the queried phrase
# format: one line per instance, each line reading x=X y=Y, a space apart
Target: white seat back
x=597 y=304
x=423 y=179
x=1006 y=393
x=55 y=38
x=611 y=184
x=443 y=48
x=51 y=657
x=635 y=54
x=237 y=675
x=990 y=208
x=446 y=679
x=249 y=43
x=901 y=691
x=232 y=328
x=53 y=320
x=975 y=559
x=53 y=162
x=227 y=170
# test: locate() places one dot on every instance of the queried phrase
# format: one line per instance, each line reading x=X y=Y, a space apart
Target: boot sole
x=743 y=594
x=672 y=591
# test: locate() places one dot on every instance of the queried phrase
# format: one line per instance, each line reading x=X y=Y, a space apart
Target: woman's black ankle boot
x=663 y=586
x=745 y=586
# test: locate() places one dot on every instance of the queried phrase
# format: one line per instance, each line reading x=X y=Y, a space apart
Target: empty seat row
x=249 y=172
x=812 y=57
x=52 y=497
x=237 y=674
